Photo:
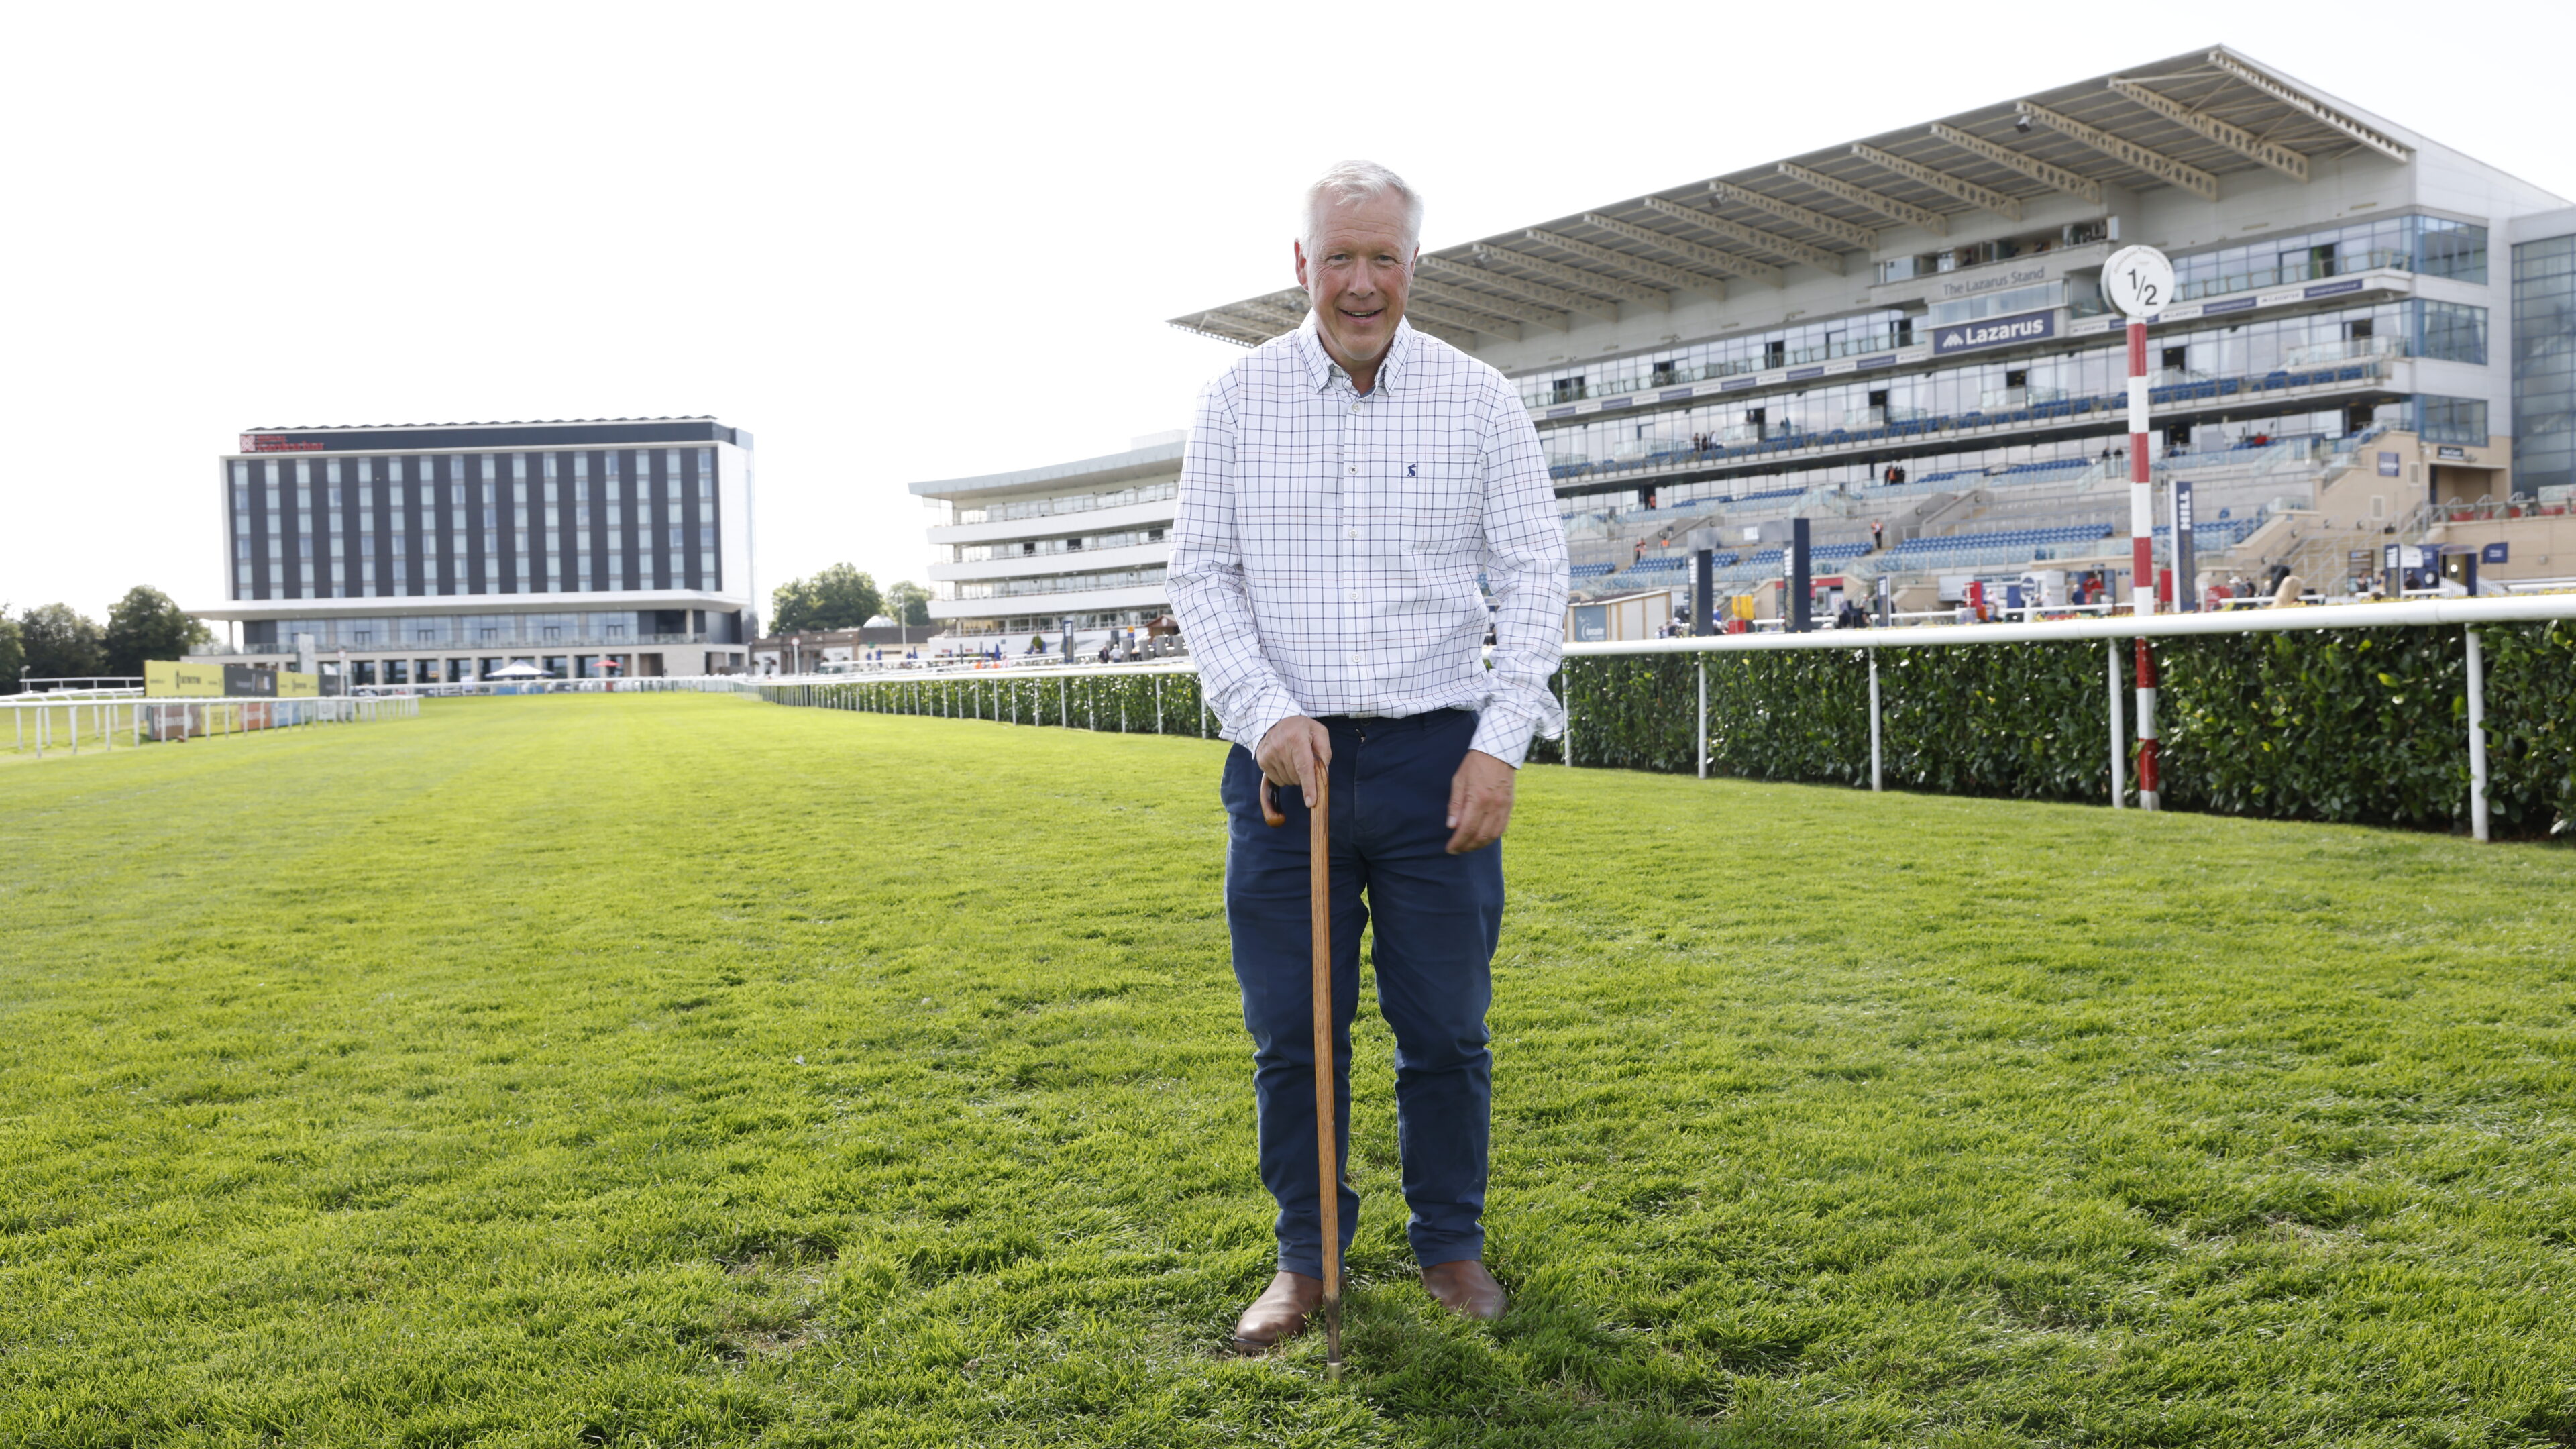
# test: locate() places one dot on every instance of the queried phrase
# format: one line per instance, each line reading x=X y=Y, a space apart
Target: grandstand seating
x=1818 y=555
x=1914 y=552
x=1580 y=572
x=2015 y=473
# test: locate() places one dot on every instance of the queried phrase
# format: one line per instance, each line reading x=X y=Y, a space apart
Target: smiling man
x=1345 y=486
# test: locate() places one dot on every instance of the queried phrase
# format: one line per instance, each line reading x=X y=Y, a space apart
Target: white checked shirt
x=1325 y=554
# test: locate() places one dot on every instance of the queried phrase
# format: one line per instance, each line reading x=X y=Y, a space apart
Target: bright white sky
x=894 y=241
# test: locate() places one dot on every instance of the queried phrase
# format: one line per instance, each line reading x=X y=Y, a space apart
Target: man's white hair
x=1350 y=182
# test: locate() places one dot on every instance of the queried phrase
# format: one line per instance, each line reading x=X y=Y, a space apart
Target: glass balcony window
x=1044 y=547
x=1061 y=583
x=1070 y=503
x=2008 y=398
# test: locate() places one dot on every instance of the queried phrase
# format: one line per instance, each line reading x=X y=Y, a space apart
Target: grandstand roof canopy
x=2183 y=122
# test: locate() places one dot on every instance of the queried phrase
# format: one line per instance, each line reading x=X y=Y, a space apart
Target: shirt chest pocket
x=1436 y=501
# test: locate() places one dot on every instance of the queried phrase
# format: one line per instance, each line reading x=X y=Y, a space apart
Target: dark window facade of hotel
x=420 y=525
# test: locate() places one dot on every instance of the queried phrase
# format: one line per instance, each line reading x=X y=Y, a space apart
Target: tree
x=60 y=643
x=841 y=596
x=13 y=652
x=908 y=602
x=148 y=624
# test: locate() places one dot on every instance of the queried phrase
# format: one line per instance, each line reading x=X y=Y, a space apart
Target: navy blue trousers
x=1437 y=917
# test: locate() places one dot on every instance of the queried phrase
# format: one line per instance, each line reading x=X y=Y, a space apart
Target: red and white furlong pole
x=2140 y=282
x=2142 y=492
x=2142 y=557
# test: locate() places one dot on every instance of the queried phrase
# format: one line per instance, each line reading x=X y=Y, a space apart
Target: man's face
x=1357 y=275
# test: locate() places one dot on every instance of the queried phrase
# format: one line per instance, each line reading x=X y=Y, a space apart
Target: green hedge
x=1143 y=703
x=2354 y=725
x=2365 y=726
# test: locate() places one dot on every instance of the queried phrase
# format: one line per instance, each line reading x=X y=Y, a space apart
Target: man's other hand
x=1480 y=802
x=1293 y=752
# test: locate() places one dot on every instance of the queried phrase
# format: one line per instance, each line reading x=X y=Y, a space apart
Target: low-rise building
x=1082 y=545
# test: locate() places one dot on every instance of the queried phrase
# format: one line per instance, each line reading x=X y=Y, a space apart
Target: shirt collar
x=1321 y=369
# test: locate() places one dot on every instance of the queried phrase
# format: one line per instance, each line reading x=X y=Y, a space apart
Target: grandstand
x=1818 y=336
x=1790 y=339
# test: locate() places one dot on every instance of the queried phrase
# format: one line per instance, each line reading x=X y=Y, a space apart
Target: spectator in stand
x=1878 y=532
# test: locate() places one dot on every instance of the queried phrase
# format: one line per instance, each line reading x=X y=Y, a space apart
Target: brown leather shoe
x=1465 y=1288
x=1279 y=1314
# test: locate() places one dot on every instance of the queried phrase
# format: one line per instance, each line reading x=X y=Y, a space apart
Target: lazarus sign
x=1993 y=332
x=275 y=443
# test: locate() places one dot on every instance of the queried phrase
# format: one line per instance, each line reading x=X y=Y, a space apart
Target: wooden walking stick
x=1328 y=1174
x=1328 y=1177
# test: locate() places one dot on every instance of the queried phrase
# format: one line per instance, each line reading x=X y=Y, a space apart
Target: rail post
x=2119 y=746
x=1703 y=701
x=2477 y=737
x=1877 y=780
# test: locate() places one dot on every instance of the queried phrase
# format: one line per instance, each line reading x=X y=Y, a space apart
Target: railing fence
x=2381 y=715
x=40 y=723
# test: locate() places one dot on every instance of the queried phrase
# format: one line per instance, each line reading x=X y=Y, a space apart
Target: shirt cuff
x=1503 y=731
x=1269 y=711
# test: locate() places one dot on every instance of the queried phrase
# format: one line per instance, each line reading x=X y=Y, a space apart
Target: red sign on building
x=275 y=443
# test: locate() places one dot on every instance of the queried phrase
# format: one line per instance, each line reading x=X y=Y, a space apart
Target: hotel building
x=439 y=553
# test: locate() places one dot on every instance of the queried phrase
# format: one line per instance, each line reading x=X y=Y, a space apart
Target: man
x=1344 y=486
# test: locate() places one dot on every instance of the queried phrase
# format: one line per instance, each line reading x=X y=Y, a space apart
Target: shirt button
x=1355 y=659
x=1355 y=533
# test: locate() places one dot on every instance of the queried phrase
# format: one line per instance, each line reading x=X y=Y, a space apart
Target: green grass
x=683 y=1070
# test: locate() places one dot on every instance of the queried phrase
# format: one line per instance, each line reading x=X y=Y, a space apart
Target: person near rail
x=1343 y=486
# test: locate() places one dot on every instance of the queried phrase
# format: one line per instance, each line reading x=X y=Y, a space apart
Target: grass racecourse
x=683 y=1070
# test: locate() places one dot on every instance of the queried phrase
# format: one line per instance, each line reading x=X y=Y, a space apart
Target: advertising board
x=1993 y=332
x=179 y=679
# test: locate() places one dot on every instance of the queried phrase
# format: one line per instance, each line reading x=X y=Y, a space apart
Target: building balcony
x=2363 y=274
x=2101 y=414
x=2018 y=397
x=1072 y=601
x=1036 y=565
x=1558 y=393
x=2306 y=269
x=2348 y=350
x=1149 y=513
